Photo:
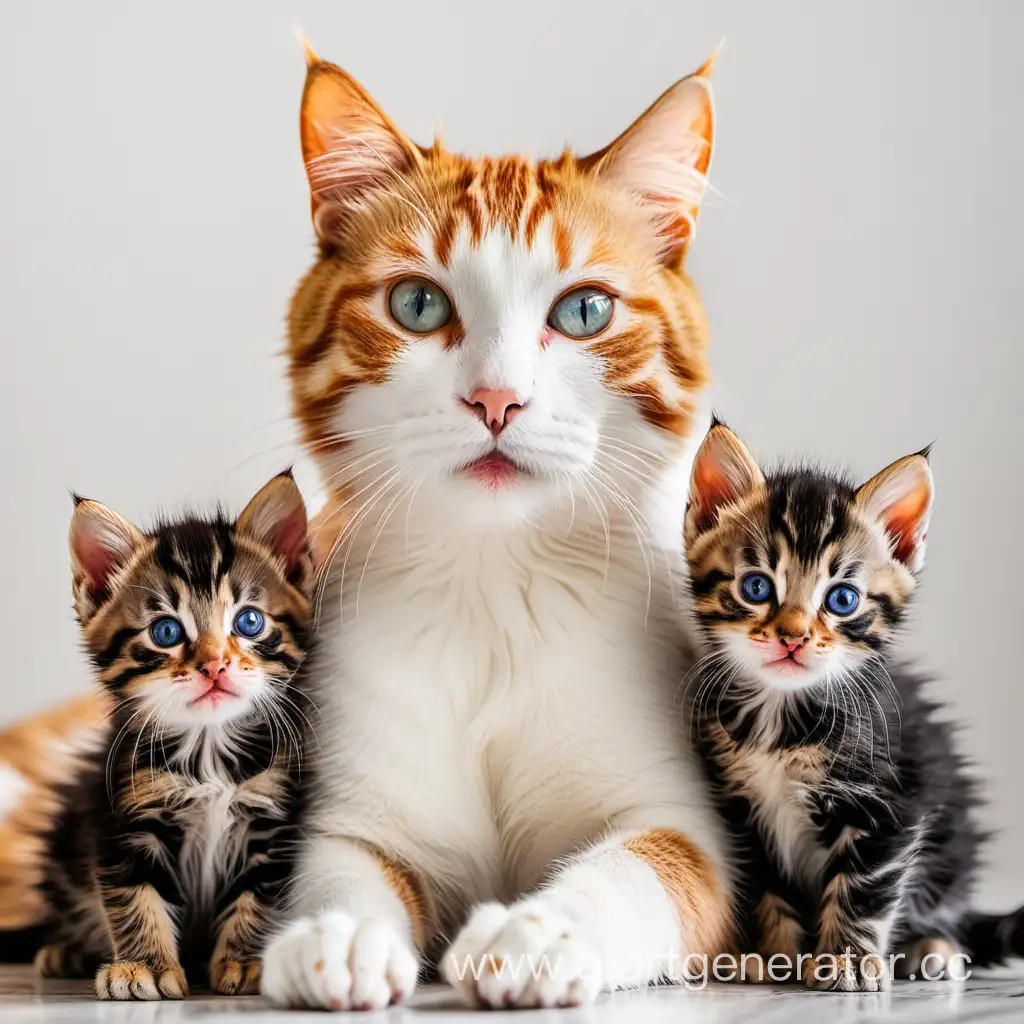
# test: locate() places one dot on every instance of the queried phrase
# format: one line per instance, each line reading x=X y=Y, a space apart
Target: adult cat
x=496 y=364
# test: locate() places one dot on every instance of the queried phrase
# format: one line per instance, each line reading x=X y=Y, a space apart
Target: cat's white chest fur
x=488 y=713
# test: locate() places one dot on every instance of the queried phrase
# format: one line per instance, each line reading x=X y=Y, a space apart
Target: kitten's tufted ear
x=276 y=516
x=723 y=472
x=900 y=497
x=100 y=542
x=349 y=145
x=663 y=158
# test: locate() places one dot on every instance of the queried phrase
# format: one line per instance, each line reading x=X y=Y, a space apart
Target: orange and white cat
x=497 y=364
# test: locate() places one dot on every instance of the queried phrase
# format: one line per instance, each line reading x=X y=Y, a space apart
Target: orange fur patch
x=692 y=884
x=409 y=888
x=46 y=753
x=391 y=196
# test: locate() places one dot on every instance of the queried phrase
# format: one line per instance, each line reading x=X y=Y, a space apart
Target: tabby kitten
x=847 y=799
x=175 y=847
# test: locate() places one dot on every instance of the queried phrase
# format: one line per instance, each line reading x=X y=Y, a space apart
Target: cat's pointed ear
x=723 y=472
x=349 y=145
x=100 y=542
x=276 y=517
x=663 y=158
x=900 y=498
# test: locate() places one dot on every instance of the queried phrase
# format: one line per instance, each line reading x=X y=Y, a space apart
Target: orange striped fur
x=386 y=208
x=36 y=756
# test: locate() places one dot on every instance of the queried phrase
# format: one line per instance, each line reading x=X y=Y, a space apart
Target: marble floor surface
x=986 y=997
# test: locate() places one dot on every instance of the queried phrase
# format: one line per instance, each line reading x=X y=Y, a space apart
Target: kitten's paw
x=63 y=960
x=334 y=962
x=841 y=972
x=528 y=955
x=235 y=977
x=930 y=960
x=131 y=979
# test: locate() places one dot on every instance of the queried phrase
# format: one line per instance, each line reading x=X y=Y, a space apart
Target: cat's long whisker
x=381 y=526
x=595 y=500
x=628 y=506
x=324 y=572
x=373 y=453
x=135 y=752
x=362 y=518
x=408 y=511
x=112 y=752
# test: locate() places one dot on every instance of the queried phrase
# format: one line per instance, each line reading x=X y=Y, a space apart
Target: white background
x=860 y=261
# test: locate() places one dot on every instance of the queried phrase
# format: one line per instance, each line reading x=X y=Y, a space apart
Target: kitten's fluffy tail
x=994 y=938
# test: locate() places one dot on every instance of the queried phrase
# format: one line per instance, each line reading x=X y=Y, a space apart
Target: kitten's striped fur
x=174 y=846
x=848 y=802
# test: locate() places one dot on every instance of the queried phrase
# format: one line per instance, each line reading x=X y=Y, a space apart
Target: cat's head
x=200 y=621
x=797 y=575
x=491 y=330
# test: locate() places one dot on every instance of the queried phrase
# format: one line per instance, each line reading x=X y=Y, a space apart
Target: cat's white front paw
x=334 y=962
x=527 y=955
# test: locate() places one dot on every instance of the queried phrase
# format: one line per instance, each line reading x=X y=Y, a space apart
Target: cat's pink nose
x=495 y=406
x=792 y=643
x=214 y=668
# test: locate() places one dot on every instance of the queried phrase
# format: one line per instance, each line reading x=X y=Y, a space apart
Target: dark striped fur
x=847 y=801
x=175 y=847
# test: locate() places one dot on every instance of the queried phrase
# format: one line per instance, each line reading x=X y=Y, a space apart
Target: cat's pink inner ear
x=349 y=144
x=901 y=497
x=664 y=157
x=100 y=541
x=276 y=516
x=723 y=472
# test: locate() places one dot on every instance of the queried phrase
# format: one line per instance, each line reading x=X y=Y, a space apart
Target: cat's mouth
x=787 y=665
x=213 y=697
x=494 y=470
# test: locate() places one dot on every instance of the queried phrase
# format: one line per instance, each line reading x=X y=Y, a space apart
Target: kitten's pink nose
x=792 y=643
x=495 y=406
x=214 y=668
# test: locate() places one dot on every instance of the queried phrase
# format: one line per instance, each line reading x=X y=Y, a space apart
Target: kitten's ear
x=723 y=472
x=100 y=542
x=349 y=145
x=663 y=157
x=276 y=516
x=900 y=497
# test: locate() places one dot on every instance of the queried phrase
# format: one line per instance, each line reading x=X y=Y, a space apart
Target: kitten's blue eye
x=166 y=632
x=842 y=599
x=757 y=587
x=419 y=305
x=249 y=623
x=582 y=313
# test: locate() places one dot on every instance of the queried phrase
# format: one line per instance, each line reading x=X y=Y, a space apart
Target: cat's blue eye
x=249 y=622
x=757 y=587
x=582 y=313
x=842 y=599
x=166 y=632
x=419 y=305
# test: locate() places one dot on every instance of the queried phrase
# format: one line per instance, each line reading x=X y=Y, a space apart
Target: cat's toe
x=930 y=960
x=334 y=962
x=235 y=977
x=841 y=972
x=130 y=979
x=528 y=955
x=61 y=960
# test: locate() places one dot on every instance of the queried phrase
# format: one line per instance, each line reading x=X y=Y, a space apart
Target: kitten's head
x=201 y=621
x=487 y=330
x=798 y=576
